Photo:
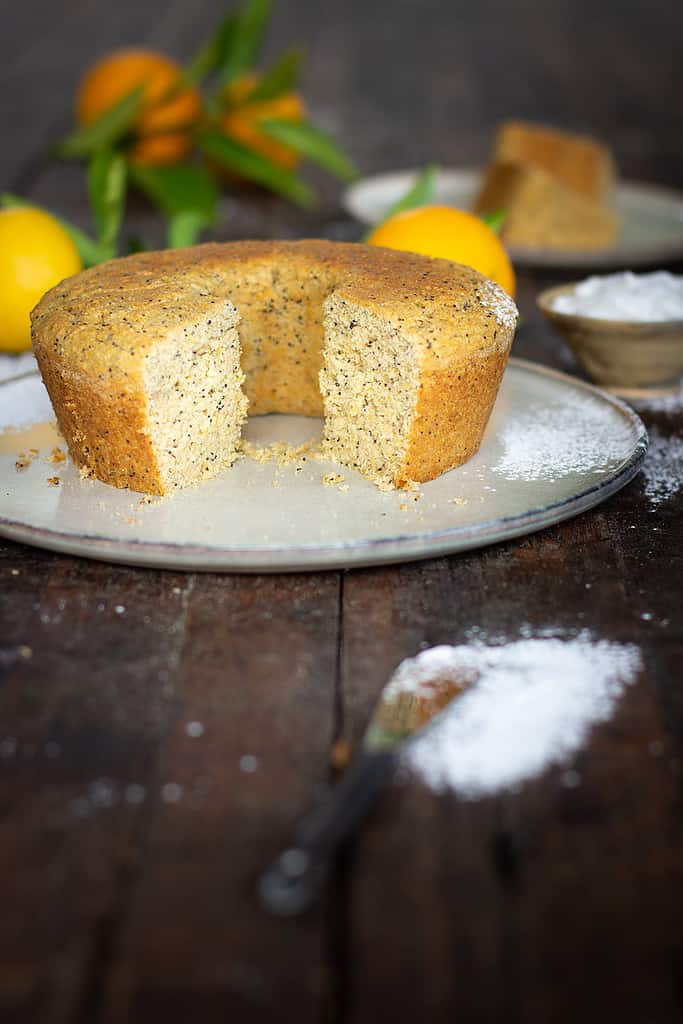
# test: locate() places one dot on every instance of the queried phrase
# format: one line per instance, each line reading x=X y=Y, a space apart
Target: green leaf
x=213 y=53
x=495 y=220
x=89 y=250
x=186 y=194
x=245 y=40
x=420 y=193
x=282 y=77
x=135 y=244
x=107 y=194
x=319 y=148
x=253 y=166
x=179 y=189
x=105 y=130
x=184 y=229
x=8 y=201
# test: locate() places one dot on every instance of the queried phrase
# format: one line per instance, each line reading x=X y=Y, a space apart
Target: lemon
x=35 y=254
x=452 y=235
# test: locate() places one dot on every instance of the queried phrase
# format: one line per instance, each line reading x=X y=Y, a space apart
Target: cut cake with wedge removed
x=153 y=361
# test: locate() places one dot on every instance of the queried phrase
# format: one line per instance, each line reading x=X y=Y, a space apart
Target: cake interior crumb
x=369 y=383
x=330 y=479
x=195 y=402
x=281 y=452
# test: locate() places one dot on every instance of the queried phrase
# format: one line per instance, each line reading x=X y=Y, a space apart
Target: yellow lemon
x=452 y=235
x=35 y=254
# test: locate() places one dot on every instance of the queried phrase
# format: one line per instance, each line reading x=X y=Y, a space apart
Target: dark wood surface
x=552 y=904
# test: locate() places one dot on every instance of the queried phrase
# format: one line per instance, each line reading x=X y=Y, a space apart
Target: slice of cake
x=555 y=189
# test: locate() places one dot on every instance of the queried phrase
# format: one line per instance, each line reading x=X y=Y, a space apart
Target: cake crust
x=93 y=332
x=580 y=163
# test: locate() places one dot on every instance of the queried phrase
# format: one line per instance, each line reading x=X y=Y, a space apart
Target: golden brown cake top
x=106 y=317
x=580 y=162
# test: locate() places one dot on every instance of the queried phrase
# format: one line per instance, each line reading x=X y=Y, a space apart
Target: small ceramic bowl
x=622 y=355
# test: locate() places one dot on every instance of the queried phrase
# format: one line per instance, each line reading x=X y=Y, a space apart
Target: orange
x=452 y=235
x=35 y=253
x=168 y=111
x=241 y=120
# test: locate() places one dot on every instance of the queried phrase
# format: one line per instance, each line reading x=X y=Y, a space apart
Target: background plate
x=651 y=231
x=554 y=447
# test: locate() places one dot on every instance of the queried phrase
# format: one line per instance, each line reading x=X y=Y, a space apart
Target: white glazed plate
x=554 y=447
x=651 y=229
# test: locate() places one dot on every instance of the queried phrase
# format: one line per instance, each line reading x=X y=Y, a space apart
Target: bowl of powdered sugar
x=626 y=329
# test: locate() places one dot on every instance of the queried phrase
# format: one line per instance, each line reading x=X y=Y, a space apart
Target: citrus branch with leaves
x=179 y=135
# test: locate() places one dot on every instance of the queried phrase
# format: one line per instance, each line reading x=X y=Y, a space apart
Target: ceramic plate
x=553 y=448
x=651 y=231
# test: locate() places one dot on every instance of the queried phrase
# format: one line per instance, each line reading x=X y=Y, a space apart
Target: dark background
x=401 y=82
x=553 y=905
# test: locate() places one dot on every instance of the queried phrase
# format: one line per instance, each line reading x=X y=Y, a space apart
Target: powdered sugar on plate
x=23 y=402
x=532 y=704
x=663 y=468
x=576 y=437
x=14 y=366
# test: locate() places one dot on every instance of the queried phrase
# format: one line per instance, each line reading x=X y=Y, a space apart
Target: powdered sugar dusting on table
x=580 y=435
x=531 y=705
x=497 y=301
x=663 y=468
x=671 y=403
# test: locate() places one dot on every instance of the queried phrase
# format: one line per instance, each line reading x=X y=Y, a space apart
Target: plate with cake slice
x=553 y=448
x=564 y=203
x=275 y=406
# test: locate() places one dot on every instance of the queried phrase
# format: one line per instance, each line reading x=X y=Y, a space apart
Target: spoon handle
x=296 y=877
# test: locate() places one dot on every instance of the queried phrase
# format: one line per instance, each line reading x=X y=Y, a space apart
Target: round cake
x=152 y=362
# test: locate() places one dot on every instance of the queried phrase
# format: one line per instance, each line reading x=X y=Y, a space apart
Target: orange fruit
x=451 y=234
x=160 y=150
x=241 y=119
x=168 y=110
x=36 y=252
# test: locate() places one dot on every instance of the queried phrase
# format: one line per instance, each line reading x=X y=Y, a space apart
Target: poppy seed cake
x=152 y=361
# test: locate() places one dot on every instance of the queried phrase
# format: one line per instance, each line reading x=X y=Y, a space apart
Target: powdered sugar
x=663 y=468
x=578 y=436
x=531 y=705
x=497 y=301
x=23 y=402
x=670 y=404
x=640 y=298
x=14 y=366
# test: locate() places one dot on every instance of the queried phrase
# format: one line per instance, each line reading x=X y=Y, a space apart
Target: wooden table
x=128 y=848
